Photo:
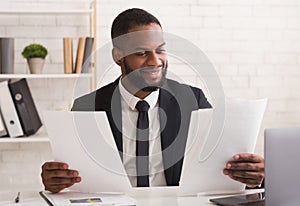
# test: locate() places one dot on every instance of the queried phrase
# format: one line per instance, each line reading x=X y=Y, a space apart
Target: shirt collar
x=131 y=100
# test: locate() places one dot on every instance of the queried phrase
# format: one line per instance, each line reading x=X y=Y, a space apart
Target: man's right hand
x=57 y=176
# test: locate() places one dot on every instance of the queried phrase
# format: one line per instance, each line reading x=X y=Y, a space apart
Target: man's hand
x=56 y=176
x=246 y=168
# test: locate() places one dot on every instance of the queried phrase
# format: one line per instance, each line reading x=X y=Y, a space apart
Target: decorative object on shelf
x=7 y=55
x=35 y=55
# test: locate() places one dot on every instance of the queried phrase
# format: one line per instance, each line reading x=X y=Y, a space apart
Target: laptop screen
x=282 y=166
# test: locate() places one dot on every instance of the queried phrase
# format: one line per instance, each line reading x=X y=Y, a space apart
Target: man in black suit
x=144 y=94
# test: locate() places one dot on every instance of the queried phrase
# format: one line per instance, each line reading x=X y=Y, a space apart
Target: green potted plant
x=35 y=55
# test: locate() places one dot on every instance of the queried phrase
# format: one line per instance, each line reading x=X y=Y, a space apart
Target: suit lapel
x=169 y=122
x=176 y=105
x=110 y=102
x=115 y=116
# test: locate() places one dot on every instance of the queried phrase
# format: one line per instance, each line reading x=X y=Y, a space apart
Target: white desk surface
x=32 y=198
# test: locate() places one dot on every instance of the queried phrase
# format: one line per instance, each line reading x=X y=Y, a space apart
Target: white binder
x=2 y=126
x=9 y=112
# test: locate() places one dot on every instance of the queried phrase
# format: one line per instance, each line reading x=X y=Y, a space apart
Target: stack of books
x=18 y=114
x=83 y=57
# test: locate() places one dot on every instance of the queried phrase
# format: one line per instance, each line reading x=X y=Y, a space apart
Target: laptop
x=256 y=199
x=282 y=166
x=282 y=169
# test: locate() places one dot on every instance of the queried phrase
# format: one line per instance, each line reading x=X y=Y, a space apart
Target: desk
x=27 y=198
x=32 y=198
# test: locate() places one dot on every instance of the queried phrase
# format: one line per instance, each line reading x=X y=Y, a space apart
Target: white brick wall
x=254 y=44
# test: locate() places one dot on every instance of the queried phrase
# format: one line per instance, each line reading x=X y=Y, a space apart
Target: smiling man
x=148 y=113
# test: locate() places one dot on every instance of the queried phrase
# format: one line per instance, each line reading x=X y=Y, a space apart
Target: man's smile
x=151 y=73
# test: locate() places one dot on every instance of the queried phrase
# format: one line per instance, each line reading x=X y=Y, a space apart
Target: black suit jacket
x=176 y=102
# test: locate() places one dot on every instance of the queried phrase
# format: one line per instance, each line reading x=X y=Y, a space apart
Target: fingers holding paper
x=57 y=176
x=246 y=168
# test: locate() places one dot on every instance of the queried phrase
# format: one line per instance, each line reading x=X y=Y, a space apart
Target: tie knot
x=142 y=106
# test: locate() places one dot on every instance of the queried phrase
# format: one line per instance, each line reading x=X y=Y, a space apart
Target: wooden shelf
x=40 y=136
x=47 y=12
x=87 y=9
x=40 y=76
x=24 y=139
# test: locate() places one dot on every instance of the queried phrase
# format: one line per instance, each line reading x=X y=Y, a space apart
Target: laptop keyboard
x=256 y=203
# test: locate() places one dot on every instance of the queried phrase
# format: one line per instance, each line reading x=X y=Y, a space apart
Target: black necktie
x=142 y=145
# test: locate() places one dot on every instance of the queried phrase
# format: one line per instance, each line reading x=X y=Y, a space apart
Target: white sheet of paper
x=84 y=140
x=206 y=156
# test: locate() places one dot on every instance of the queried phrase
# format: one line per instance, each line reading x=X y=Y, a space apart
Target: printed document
x=206 y=153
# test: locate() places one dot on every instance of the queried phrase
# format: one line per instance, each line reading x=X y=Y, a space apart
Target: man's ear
x=117 y=56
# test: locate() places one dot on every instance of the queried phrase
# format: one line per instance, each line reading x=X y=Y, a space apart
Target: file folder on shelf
x=9 y=112
x=24 y=104
x=3 y=131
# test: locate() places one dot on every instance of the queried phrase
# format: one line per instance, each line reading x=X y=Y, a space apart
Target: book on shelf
x=7 y=55
x=68 y=55
x=25 y=107
x=3 y=131
x=88 y=51
x=8 y=110
x=80 y=55
x=83 y=61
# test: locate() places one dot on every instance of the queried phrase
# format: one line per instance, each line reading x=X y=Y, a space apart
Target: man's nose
x=153 y=59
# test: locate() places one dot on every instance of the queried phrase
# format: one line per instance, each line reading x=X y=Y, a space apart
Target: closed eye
x=140 y=54
x=160 y=51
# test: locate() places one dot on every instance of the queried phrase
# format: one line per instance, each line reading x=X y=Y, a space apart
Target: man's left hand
x=246 y=168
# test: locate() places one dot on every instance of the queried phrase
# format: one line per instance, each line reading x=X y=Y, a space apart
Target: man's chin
x=150 y=88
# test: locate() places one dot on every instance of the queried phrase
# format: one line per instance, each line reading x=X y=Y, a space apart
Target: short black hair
x=129 y=19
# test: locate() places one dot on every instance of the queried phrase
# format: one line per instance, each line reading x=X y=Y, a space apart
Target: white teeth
x=155 y=72
x=151 y=72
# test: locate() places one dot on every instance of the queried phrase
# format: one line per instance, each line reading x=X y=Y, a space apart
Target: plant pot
x=36 y=65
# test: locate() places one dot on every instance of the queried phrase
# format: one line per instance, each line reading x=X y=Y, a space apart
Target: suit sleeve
x=85 y=103
x=203 y=103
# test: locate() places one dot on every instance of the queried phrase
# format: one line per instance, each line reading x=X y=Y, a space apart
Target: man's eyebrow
x=147 y=49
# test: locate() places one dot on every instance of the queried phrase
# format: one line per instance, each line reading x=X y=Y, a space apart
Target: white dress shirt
x=129 y=122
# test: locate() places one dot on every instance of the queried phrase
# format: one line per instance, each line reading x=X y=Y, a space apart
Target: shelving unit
x=91 y=11
x=91 y=77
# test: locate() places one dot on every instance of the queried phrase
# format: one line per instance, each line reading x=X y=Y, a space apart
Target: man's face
x=145 y=61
